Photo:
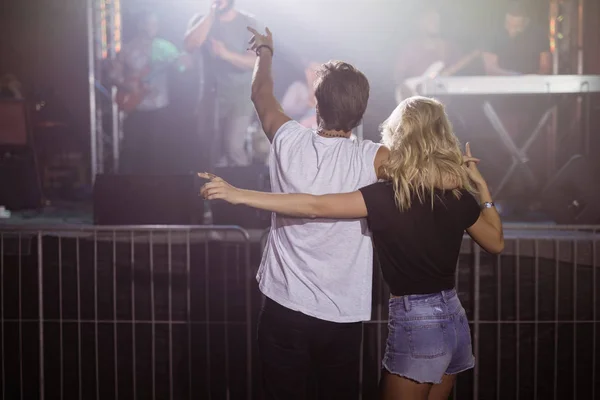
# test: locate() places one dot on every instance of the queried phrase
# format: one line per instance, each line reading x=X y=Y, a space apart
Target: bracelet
x=265 y=46
x=487 y=204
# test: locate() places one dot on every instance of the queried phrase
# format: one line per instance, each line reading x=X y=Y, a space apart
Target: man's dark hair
x=342 y=94
x=517 y=9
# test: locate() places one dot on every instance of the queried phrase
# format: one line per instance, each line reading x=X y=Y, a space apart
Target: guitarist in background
x=141 y=75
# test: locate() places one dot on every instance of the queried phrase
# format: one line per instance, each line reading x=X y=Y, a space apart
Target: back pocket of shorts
x=427 y=340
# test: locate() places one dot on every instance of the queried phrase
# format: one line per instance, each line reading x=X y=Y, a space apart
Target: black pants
x=307 y=358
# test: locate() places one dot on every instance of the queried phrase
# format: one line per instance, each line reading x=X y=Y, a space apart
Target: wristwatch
x=487 y=204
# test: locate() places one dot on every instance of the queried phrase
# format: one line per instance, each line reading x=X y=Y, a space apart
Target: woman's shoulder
x=378 y=192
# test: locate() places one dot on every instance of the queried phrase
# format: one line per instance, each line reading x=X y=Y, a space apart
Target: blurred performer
x=520 y=48
x=141 y=75
x=223 y=33
x=427 y=55
x=299 y=101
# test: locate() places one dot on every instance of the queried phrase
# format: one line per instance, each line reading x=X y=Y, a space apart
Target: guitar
x=410 y=86
x=133 y=92
x=136 y=88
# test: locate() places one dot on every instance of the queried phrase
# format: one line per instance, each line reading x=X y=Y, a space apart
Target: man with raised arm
x=316 y=274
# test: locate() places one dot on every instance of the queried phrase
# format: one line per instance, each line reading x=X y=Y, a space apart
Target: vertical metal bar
x=133 y=321
x=361 y=360
x=40 y=259
x=379 y=328
x=476 y=298
x=456 y=281
x=248 y=272
x=556 y=305
x=518 y=315
x=189 y=311
x=79 y=357
x=499 y=329
x=92 y=87
x=226 y=319
x=580 y=36
x=553 y=36
x=169 y=241
x=115 y=13
x=153 y=315
x=2 y=316
x=96 y=350
x=20 y=318
x=100 y=20
x=536 y=317
x=115 y=316
x=60 y=317
x=575 y=319
x=207 y=315
x=594 y=311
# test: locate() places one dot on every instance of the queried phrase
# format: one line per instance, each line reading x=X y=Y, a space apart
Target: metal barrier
x=125 y=313
x=168 y=312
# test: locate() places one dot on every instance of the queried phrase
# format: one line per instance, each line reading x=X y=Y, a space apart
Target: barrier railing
x=169 y=313
x=125 y=313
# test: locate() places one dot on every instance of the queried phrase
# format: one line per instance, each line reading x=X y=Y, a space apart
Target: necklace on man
x=331 y=135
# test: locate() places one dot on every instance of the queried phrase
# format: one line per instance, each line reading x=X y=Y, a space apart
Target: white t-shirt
x=319 y=267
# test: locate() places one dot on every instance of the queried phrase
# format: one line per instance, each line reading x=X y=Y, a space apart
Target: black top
x=522 y=53
x=418 y=249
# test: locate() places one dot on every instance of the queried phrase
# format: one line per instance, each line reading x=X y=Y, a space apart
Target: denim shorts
x=428 y=337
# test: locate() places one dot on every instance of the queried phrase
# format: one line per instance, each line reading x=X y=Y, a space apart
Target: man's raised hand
x=259 y=40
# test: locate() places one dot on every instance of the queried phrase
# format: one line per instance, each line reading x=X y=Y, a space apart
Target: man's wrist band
x=487 y=204
x=264 y=46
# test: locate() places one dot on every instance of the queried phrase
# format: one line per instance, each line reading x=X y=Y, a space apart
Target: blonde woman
x=417 y=219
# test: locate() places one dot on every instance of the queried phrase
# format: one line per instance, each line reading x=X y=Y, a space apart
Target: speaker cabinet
x=19 y=182
x=573 y=195
x=254 y=178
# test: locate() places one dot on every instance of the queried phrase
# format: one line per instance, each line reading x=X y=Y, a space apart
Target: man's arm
x=197 y=32
x=267 y=107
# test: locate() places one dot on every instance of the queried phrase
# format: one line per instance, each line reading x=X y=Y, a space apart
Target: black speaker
x=255 y=177
x=573 y=195
x=20 y=187
x=147 y=200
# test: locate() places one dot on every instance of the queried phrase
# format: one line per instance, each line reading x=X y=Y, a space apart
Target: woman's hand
x=471 y=167
x=217 y=188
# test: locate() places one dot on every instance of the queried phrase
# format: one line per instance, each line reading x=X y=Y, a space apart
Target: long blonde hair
x=425 y=153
